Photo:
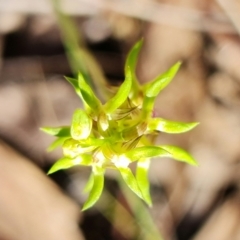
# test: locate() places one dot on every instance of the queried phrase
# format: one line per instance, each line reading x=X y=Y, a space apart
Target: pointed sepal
x=122 y=94
x=66 y=162
x=130 y=180
x=57 y=131
x=146 y=152
x=131 y=63
x=163 y=125
x=97 y=187
x=152 y=89
x=88 y=95
x=142 y=179
x=179 y=154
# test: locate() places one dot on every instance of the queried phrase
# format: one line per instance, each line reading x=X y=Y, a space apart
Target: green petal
x=65 y=163
x=179 y=154
x=81 y=125
x=89 y=184
x=130 y=180
x=132 y=62
x=57 y=131
x=62 y=163
x=167 y=126
x=142 y=179
x=88 y=95
x=146 y=152
x=153 y=88
x=122 y=94
x=96 y=191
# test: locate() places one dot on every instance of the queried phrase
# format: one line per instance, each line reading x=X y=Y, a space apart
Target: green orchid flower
x=118 y=132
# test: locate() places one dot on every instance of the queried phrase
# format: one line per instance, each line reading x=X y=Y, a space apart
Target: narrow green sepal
x=132 y=56
x=146 y=152
x=142 y=179
x=131 y=62
x=66 y=162
x=96 y=191
x=89 y=184
x=122 y=94
x=179 y=154
x=57 y=131
x=63 y=163
x=88 y=95
x=152 y=89
x=130 y=180
x=163 y=125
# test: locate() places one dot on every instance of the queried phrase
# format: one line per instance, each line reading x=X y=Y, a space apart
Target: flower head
x=117 y=133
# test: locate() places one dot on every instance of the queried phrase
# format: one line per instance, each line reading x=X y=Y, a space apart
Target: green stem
x=79 y=58
x=142 y=215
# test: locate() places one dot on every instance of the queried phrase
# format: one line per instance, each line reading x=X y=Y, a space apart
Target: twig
x=180 y=17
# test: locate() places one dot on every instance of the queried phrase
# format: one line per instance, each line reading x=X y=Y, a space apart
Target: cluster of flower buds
x=119 y=132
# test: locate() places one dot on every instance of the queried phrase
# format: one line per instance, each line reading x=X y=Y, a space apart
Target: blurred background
x=197 y=203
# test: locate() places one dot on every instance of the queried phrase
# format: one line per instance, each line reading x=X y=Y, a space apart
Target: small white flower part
x=161 y=125
x=109 y=116
x=103 y=121
x=104 y=126
x=121 y=161
x=144 y=163
x=78 y=160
